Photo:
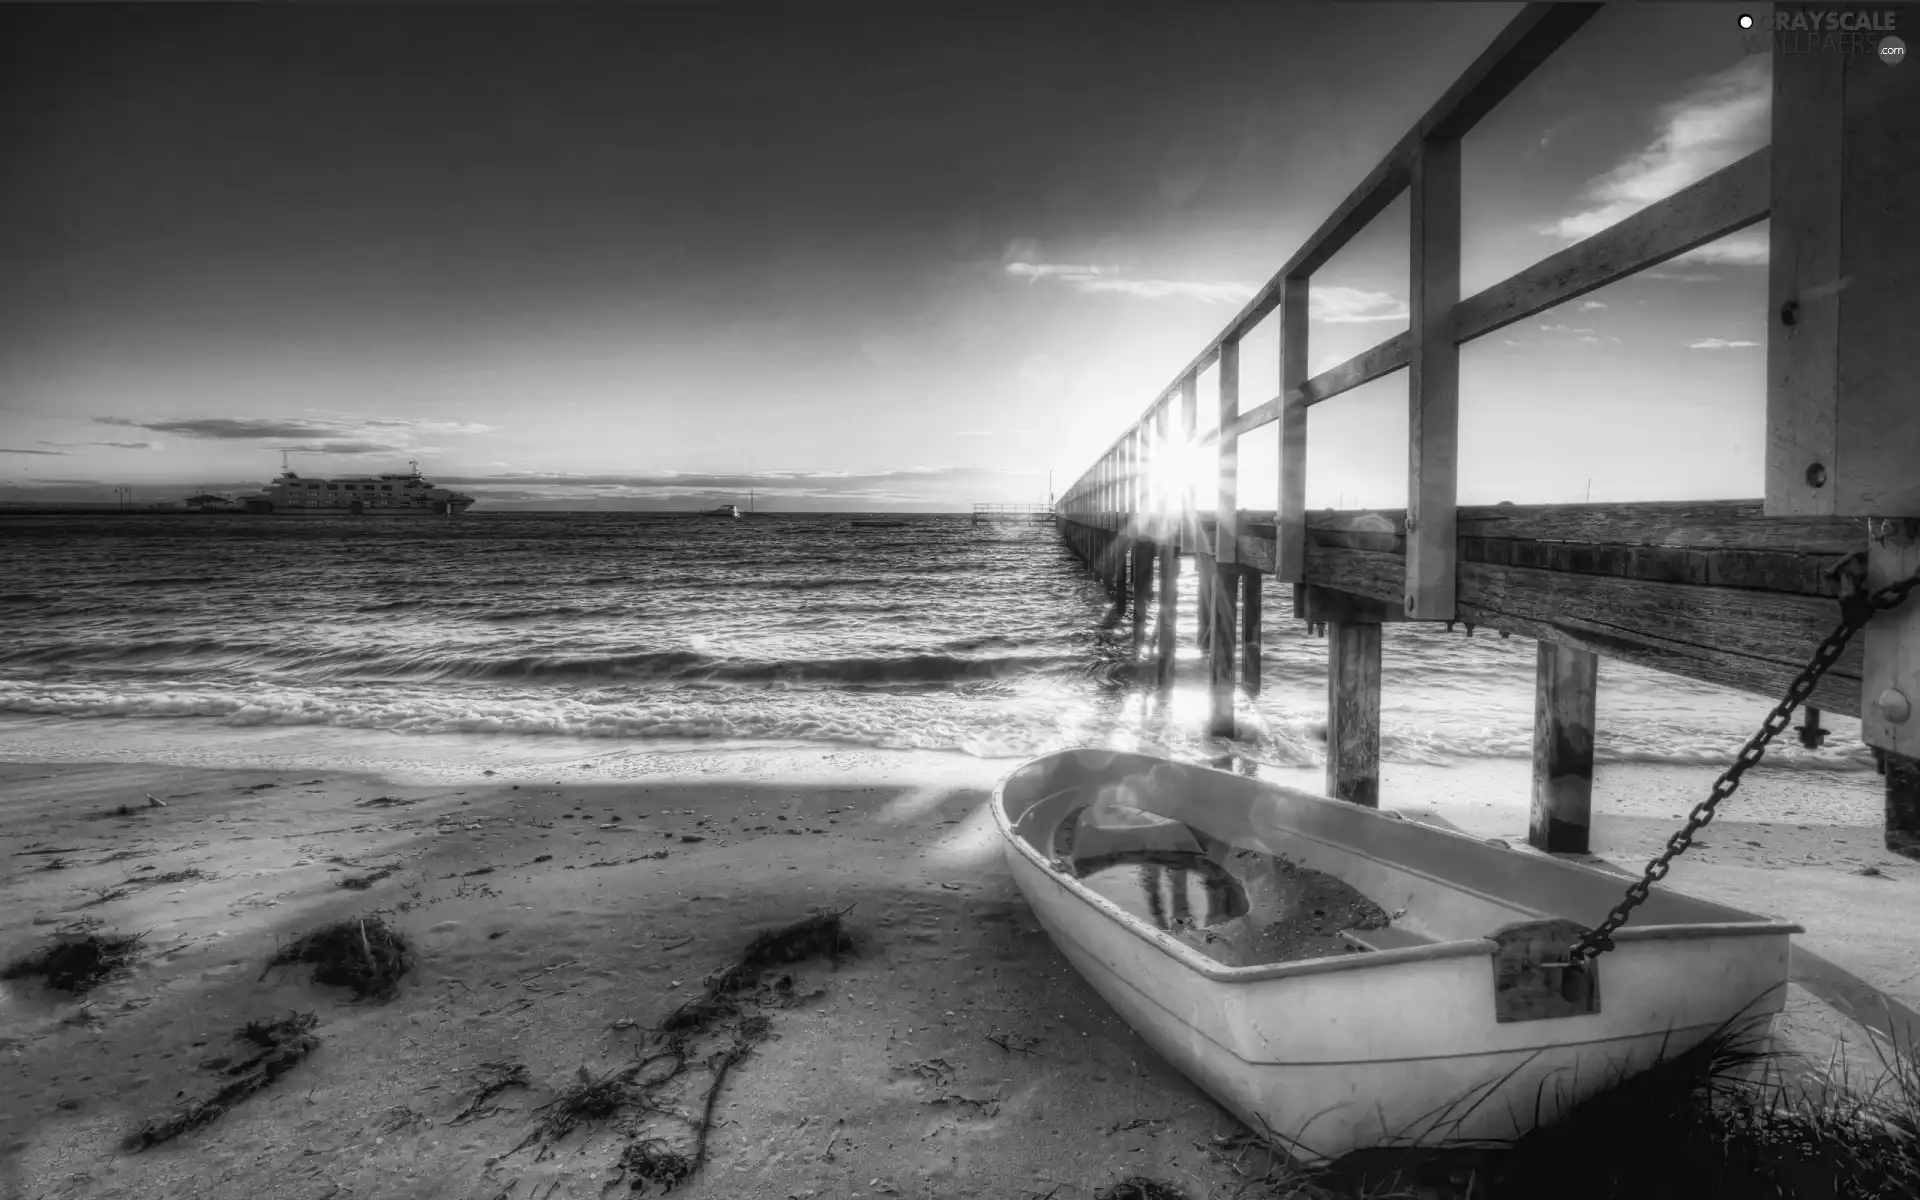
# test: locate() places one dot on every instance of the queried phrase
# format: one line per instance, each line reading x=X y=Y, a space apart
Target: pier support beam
x=1903 y=804
x=1563 y=721
x=1142 y=589
x=1250 y=631
x=1169 y=597
x=1353 y=709
x=1203 y=601
x=1220 y=631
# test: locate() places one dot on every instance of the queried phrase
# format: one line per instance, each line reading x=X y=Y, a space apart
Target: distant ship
x=407 y=494
x=725 y=510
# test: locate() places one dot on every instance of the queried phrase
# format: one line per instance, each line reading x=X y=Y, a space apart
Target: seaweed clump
x=284 y=1044
x=1139 y=1187
x=712 y=1033
x=364 y=954
x=77 y=963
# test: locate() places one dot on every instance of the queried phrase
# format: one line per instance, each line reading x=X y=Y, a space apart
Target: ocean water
x=645 y=629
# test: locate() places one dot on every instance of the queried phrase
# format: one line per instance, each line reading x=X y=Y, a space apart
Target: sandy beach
x=954 y=1054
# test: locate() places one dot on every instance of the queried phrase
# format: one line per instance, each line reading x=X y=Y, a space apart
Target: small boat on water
x=725 y=510
x=1349 y=978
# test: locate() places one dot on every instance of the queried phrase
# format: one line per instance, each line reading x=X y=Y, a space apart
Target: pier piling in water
x=1142 y=586
x=1169 y=602
x=1732 y=592
x=1250 y=631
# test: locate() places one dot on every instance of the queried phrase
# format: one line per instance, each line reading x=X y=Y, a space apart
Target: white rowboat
x=1449 y=1024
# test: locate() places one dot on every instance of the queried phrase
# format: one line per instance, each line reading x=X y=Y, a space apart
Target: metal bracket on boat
x=1534 y=975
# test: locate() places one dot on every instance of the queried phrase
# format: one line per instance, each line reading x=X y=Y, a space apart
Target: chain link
x=1857 y=607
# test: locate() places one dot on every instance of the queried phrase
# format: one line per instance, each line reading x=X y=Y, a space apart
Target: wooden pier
x=1736 y=592
x=1025 y=513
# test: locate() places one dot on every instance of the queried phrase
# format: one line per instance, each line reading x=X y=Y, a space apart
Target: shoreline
x=540 y=960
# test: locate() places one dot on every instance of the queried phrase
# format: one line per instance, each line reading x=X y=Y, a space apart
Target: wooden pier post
x=1226 y=542
x=1203 y=584
x=1169 y=596
x=1565 y=680
x=1353 y=709
x=1903 y=804
x=1142 y=586
x=1250 y=631
x=1843 y=431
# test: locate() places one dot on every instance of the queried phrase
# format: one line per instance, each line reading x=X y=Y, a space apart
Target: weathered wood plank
x=1748 y=640
x=1353 y=712
x=1737 y=637
x=1433 y=384
x=1564 y=689
x=1890 y=686
x=1803 y=305
x=1843 y=428
x=1878 y=440
x=1726 y=201
x=1289 y=561
x=1322 y=605
x=1262 y=414
x=1376 y=362
x=1709 y=524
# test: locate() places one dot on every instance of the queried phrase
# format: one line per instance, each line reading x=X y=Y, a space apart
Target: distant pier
x=1738 y=592
x=1025 y=513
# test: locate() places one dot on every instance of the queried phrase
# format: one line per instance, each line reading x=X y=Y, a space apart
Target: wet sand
x=886 y=1085
x=550 y=935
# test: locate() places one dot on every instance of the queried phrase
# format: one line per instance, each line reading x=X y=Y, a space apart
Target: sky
x=850 y=257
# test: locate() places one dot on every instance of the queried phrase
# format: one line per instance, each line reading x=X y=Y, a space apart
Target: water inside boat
x=1239 y=907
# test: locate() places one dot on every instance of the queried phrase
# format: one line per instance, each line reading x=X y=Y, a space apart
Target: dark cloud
x=60 y=453
x=299 y=429
x=109 y=445
x=349 y=448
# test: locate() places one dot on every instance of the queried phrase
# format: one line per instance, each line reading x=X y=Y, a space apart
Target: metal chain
x=1857 y=607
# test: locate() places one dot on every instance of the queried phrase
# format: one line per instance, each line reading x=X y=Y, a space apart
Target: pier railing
x=1735 y=592
x=1012 y=512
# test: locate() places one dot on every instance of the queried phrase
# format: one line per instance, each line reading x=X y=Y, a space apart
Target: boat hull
x=1393 y=1047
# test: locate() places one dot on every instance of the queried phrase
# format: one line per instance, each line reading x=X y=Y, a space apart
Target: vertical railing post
x=1433 y=382
x=1290 y=518
x=1843 y=428
x=1226 y=545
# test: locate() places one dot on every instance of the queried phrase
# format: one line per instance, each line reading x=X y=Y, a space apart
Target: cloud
x=1681 y=276
x=973 y=433
x=54 y=453
x=109 y=445
x=1721 y=120
x=1714 y=343
x=1345 y=305
x=1590 y=305
x=1746 y=248
x=338 y=434
x=1096 y=280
